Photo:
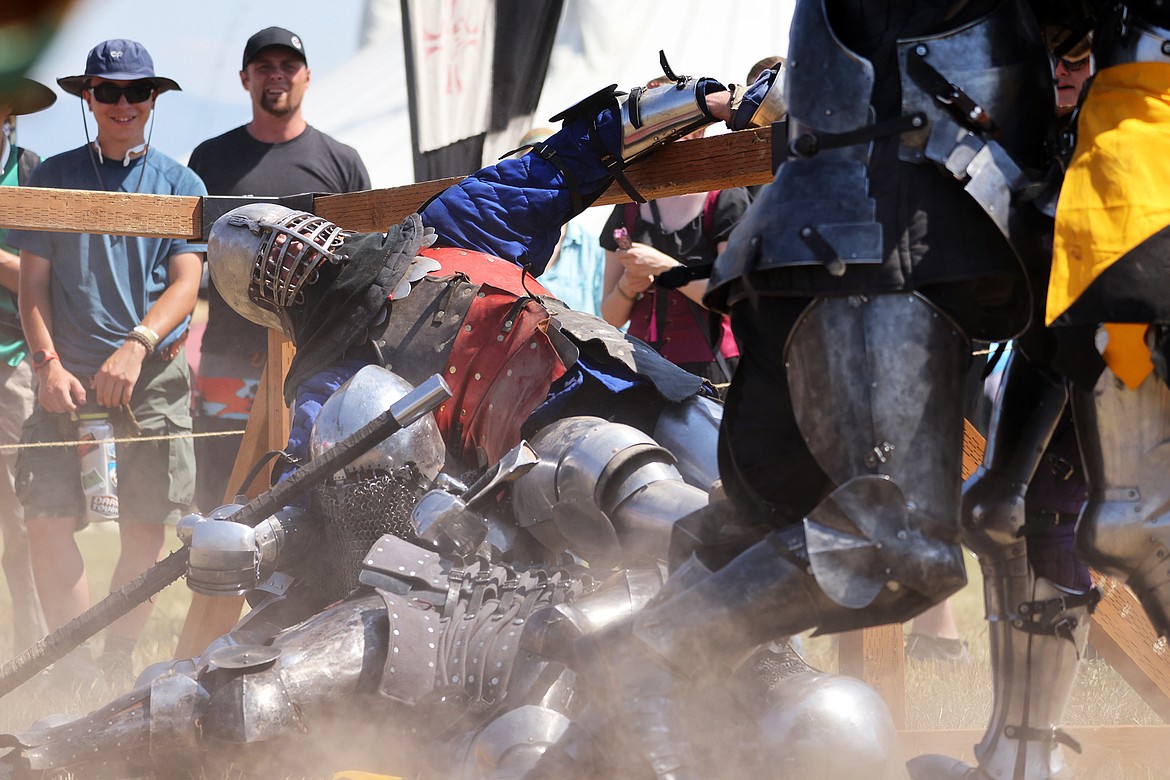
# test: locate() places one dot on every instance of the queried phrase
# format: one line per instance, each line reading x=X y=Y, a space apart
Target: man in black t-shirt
x=275 y=154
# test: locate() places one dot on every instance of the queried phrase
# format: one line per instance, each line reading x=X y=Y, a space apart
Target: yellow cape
x=1116 y=192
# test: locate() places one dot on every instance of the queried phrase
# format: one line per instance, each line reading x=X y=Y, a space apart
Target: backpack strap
x=709 y=211
x=630 y=217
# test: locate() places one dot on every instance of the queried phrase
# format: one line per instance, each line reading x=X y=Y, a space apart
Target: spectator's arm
x=9 y=271
x=698 y=288
x=115 y=381
x=620 y=289
x=58 y=390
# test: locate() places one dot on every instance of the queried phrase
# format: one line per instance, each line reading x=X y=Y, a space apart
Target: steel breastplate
x=990 y=76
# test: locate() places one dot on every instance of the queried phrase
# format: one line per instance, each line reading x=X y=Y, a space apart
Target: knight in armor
x=900 y=228
x=1019 y=512
x=1106 y=316
x=1107 y=302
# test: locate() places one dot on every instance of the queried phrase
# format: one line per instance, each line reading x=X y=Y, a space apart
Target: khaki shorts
x=156 y=479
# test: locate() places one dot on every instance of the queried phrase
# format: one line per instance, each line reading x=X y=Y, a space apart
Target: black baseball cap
x=273 y=36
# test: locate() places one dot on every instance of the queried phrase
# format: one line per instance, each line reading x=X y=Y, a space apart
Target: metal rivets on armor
x=396 y=649
x=509 y=372
x=455 y=677
x=921 y=50
x=478 y=376
x=806 y=231
x=532 y=345
x=395 y=616
x=1166 y=48
x=451 y=369
x=467 y=328
x=431 y=645
x=396 y=632
x=481 y=294
x=499 y=338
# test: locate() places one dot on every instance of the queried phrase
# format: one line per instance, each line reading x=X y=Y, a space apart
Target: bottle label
x=104 y=507
x=99 y=471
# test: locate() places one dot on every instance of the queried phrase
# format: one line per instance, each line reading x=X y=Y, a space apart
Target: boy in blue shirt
x=105 y=318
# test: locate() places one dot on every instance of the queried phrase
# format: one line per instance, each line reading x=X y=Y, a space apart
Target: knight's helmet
x=375 y=494
x=262 y=258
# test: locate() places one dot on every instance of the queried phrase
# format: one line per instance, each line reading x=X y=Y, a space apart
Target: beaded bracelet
x=142 y=339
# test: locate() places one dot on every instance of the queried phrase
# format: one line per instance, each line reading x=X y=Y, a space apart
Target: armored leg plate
x=1125 y=527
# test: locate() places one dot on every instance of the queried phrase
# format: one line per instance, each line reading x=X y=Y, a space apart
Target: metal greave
x=1034 y=663
x=1125 y=527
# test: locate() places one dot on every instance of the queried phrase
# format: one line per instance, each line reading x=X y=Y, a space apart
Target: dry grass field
x=939 y=697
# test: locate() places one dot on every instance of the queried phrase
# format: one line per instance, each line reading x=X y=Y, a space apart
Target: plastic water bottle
x=99 y=467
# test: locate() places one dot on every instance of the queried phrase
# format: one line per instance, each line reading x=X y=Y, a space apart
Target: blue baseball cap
x=117 y=60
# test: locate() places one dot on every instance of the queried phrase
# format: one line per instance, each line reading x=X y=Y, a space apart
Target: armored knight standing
x=899 y=229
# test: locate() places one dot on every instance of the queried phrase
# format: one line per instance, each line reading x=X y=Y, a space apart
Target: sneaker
x=922 y=647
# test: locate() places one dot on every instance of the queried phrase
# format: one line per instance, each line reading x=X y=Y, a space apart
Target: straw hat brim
x=25 y=96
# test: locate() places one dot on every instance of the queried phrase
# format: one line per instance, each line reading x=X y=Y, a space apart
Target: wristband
x=42 y=358
x=141 y=338
x=148 y=333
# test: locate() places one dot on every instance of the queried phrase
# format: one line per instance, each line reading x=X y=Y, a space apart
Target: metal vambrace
x=229 y=558
x=652 y=117
x=605 y=490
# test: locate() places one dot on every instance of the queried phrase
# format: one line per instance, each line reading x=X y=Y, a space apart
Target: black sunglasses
x=135 y=92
